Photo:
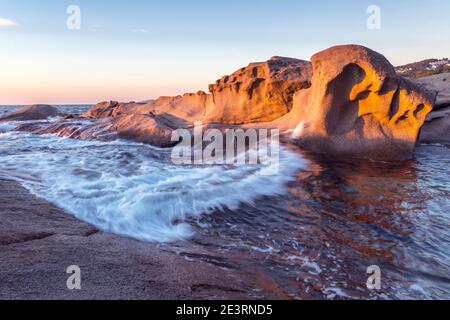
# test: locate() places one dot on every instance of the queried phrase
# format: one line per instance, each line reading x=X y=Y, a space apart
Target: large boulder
x=358 y=106
x=439 y=83
x=33 y=112
x=260 y=92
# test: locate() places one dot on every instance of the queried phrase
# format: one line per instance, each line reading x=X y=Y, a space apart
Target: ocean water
x=313 y=228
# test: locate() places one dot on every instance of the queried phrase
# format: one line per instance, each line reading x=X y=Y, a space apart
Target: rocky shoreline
x=347 y=102
x=39 y=241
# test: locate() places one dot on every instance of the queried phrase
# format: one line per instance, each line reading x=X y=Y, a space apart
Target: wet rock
x=38 y=241
x=152 y=129
x=33 y=112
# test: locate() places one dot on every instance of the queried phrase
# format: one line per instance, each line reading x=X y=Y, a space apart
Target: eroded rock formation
x=261 y=92
x=348 y=102
x=358 y=106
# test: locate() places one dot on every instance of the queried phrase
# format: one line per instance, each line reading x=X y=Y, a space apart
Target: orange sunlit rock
x=260 y=92
x=358 y=106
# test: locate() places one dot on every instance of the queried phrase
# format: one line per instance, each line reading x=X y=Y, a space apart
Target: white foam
x=6 y=126
x=126 y=188
x=336 y=293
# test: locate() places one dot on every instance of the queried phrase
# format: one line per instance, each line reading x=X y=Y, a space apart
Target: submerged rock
x=357 y=106
x=33 y=112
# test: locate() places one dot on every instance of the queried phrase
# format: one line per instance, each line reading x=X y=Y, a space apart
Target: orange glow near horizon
x=145 y=49
x=77 y=78
x=44 y=82
x=82 y=95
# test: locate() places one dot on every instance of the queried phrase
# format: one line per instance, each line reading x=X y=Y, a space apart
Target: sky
x=141 y=49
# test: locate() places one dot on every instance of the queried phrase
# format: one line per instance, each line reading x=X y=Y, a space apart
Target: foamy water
x=133 y=189
x=313 y=228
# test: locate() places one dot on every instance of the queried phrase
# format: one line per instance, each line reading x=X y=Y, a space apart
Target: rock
x=32 y=126
x=33 y=112
x=440 y=113
x=154 y=130
x=191 y=107
x=39 y=241
x=112 y=109
x=357 y=106
x=437 y=127
x=25 y=217
x=439 y=83
x=79 y=129
x=261 y=92
x=348 y=102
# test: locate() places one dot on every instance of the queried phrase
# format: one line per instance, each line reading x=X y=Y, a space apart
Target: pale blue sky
x=140 y=49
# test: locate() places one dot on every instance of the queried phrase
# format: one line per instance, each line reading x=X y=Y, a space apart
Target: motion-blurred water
x=314 y=228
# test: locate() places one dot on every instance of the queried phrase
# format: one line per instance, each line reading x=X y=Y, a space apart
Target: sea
x=315 y=227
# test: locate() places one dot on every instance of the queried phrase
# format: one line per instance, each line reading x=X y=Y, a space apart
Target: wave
x=132 y=189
